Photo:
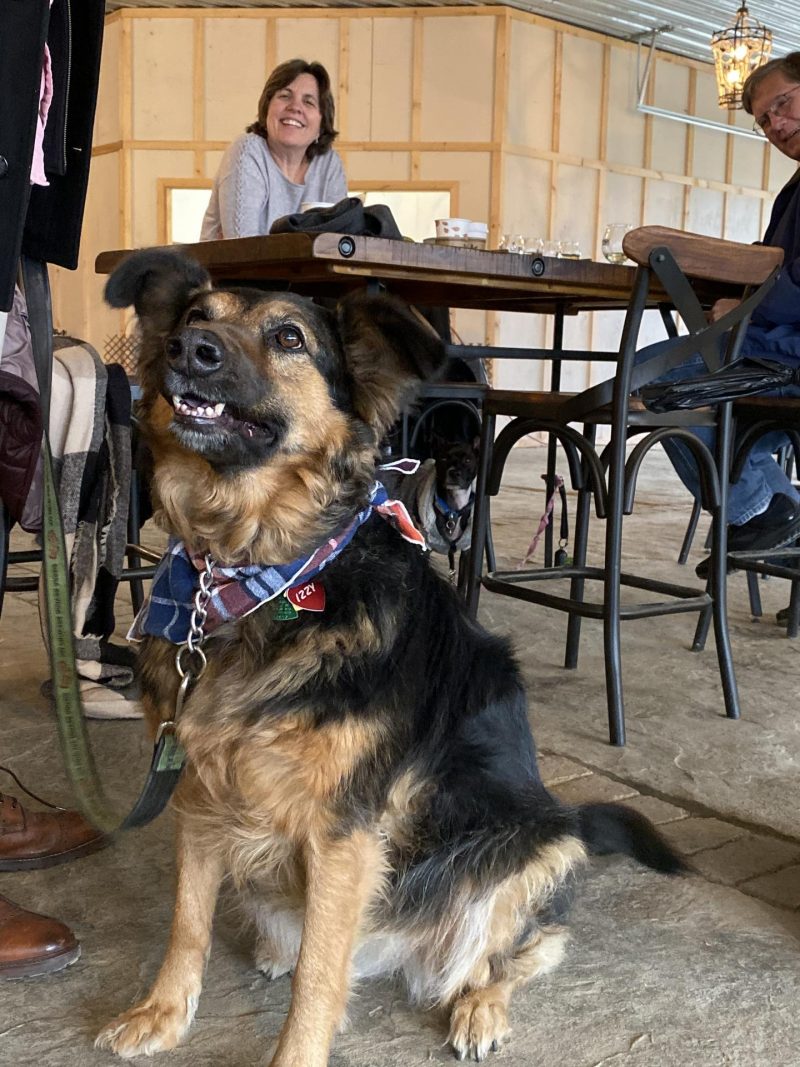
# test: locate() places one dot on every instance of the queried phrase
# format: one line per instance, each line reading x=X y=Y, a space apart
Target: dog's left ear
x=389 y=351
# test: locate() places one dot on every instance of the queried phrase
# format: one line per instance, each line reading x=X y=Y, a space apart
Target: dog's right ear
x=158 y=282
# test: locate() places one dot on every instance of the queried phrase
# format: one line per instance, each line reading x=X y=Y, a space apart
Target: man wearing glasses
x=763 y=506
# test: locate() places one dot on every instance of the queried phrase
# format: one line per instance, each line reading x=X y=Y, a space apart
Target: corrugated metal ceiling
x=690 y=24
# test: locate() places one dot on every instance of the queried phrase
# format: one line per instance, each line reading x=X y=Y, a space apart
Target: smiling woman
x=282 y=160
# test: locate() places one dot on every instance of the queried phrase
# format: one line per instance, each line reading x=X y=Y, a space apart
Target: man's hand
x=722 y=307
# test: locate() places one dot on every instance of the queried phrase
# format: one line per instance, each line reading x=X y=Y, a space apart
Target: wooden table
x=330 y=264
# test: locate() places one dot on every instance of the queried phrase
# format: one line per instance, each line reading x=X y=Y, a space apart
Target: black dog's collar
x=450 y=517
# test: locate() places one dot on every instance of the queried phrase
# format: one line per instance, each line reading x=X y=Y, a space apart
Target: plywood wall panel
x=211 y=162
x=705 y=212
x=622 y=200
x=577 y=335
x=668 y=138
x=522 y=331
x=663 y=204
x=311 y=39
x=392 y=73
x=78 y=305
x=107 y=127
x=231 y=103
x=471 y=170
x=742 y=219
x=748 y=161
x=606 y=334
x=469 y=326
x=148 y=167
x=706 y=99
x=529 y=113
x=575 y=216
x=581 y=103
x=526 y=196
x=360 y=77
x=457 y=79
x=162 y=89
x=780 y=170
x=709 y=154
x=625 y=136
x=374 y=166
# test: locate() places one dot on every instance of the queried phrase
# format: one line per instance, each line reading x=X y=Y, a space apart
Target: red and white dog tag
x=308 y=597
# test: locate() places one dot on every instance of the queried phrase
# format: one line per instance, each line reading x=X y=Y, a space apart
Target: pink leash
x=558 y=486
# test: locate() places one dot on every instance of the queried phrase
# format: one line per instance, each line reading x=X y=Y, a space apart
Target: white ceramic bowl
x=452 y=227
x=310 y=205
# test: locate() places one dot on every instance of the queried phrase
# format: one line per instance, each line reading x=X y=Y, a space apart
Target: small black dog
x=440 y=495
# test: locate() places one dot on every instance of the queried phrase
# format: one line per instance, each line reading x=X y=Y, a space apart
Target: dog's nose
x=194 y=352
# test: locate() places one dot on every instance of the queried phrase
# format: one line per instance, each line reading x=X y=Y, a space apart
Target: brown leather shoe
x=32 y=944
x=33 y=839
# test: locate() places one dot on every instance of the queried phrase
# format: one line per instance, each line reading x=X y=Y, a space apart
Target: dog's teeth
x=218 y=409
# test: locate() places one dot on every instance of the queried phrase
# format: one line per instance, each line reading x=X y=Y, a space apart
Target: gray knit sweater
x=251 y=191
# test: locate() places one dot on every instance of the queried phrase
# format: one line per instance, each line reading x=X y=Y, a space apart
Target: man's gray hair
x=788 y=65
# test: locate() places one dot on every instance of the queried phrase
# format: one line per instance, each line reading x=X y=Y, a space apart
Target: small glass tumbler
x=569 y=250
x=612 y=241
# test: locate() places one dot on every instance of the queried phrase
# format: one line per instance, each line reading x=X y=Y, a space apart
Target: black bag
x=746 y=377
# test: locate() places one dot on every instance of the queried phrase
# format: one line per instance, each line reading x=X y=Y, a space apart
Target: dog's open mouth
x=195 y=413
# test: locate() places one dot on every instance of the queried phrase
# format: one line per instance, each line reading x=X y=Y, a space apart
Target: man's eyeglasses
x=777 y=107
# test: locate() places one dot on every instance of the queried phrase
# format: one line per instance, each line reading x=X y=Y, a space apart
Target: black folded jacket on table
x=348 y=216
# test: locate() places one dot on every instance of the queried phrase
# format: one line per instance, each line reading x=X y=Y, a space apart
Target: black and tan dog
x=365 y=773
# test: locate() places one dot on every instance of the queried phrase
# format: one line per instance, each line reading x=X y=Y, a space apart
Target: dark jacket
x=775 y=328
x=45 y=222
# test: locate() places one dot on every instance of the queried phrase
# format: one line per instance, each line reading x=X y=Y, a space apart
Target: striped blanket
x=90 y=441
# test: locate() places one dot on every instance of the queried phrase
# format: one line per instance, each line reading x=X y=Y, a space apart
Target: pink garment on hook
x=38 y=176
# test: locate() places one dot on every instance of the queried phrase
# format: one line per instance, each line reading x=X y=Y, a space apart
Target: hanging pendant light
x=738 y=51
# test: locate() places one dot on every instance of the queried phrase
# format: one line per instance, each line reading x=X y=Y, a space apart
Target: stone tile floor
x=700 y=970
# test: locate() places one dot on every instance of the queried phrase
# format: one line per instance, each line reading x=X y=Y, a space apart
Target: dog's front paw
x=478 y=1025
x=148 y=1028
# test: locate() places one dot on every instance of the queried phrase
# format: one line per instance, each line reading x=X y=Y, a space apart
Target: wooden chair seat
x=553 y=406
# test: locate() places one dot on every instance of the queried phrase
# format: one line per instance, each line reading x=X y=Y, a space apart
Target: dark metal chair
x=676 y=263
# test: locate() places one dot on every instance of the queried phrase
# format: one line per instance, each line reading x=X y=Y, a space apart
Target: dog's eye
x=196 y=315
x=290 y=338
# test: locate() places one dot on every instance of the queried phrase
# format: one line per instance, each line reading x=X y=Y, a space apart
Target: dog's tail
x=607 y=828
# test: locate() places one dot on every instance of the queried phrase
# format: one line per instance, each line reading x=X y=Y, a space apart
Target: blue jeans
x=761 y=475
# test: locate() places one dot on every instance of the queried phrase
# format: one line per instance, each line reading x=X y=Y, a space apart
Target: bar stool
x=667 y=261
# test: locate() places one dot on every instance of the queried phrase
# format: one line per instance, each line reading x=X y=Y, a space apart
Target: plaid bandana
x=237 y=591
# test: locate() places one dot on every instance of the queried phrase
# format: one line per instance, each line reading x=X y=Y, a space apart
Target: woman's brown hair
x=788 y=65
x=284 y=75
